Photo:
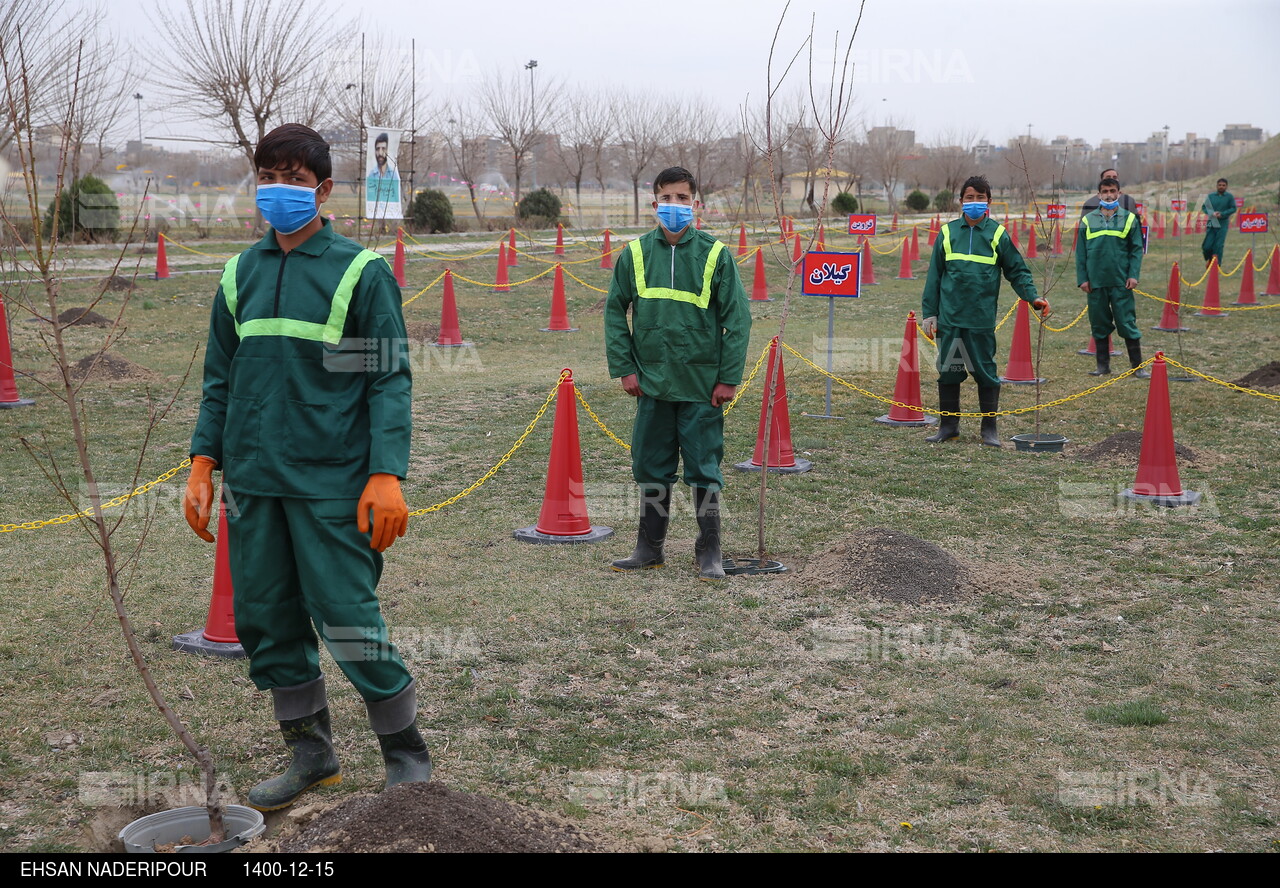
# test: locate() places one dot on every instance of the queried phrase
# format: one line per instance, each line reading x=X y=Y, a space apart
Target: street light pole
x=138 y=98
x=1164 y=156
x=533 y=118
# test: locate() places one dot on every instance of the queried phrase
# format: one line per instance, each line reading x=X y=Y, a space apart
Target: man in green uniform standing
x=1219 y=208
x=306 y=411
x=959 y=306
x=1108 y=263
x=682 y=357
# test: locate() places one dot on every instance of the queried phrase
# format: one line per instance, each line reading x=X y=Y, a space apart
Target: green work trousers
x=666 y=431
x=1215 y=238
x=299 y=563
x=1111 y=308
x=962 y=351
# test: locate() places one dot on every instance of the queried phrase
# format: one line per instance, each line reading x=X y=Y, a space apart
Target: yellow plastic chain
x=424 y=289
x=111 y=503
x=1220 y=307
x=542 y=273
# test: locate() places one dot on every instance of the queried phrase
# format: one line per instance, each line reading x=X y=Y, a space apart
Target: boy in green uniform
x=1219 y=208
x=306 y=411
x=959 y=306
x=1108 y=263
x=682 y=357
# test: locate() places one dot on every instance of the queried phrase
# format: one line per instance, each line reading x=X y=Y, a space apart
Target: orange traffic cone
x=742 y=240
x=563 y=518
x=904 y=267
x=782 y=456
x=559 y=239
x=1247 y=296
x=796 y=253
x=1158 y=482
x=501 y=280
x=1031 y=244
x=450 y=333
x=397 y=267
x=1211 y=309
x=1176 y=233
x=1092 y=350
x=935 y=226
x=1013 y=236
x=759 y=284
x=218 y=638
x=513 y=257
x=907 y=389
x=606 y=252
x=1019 y=370
x=894 y=226
x=821 y=246
x=915 y=243
x=8 y=387
x=868 y=262
x=162 y=259
x=1057 y=239
x=1173 y=296
x=1273 y=275
x=559 y=322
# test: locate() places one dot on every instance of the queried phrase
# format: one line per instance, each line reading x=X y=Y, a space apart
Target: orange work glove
x=390 y=515
x=1043 y=305
x=197 y=503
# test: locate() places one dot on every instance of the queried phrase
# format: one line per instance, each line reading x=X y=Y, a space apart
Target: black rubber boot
x=315 y=763
x=655 y=513
x=949 y=401
x=706 y=550
x=1135 y=357
x=1104 y=357
x=406 y=756
x=989 y=402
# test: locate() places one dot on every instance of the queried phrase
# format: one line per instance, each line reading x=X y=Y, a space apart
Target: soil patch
x=598 y=306
x=1127 y=446
x=422 y=331
x=82 y=317
x=117 y=283
x=416 y=817
x=890 y=565
x=1266 y=376
x=108 y=366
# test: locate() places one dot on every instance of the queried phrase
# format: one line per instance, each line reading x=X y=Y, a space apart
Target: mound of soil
x=891 y=565
x=1127 y=446
x=1266 y=376
x=108 y=366
x=80 y=317
x=597 y=307
x=416 y=817
x=117 y=283
x=422 y=331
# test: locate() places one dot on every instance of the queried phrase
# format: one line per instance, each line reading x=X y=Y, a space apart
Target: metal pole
x=831 y=333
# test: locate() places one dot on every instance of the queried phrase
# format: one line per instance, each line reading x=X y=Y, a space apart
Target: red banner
x=1253 y=223
x=1239 y=203
x=1056 y=211
x=862 y=223
x=831 y=274
x=1138 y=208
x=1178 y=205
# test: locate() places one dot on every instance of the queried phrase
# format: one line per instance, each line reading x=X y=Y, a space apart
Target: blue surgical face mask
x=1108 y=204
x=975 y=209
x=288 y=208
x=674 y=217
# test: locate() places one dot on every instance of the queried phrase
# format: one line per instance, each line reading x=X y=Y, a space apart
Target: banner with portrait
x=382 y=176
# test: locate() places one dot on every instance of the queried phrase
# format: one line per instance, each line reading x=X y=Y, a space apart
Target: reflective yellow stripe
x=1090 y=234
x=644 y=291
x=330 y=332
x=955 y=256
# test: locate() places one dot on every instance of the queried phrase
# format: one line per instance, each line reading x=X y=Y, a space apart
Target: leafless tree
x=951 y=158
x=519 y=116
x=641 y=132
x=886 y=150
x=45 y=33
x=248 y=65
x=467 y=141
x=102 y=94
x=698 y=132
x=586 y=127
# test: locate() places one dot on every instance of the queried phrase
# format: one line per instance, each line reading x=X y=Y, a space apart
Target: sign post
x=834 y=275
x=1254 y=224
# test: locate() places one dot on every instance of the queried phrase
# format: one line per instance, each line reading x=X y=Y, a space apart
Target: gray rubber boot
x=706 y=551
x=949 y=401
x=989 y=402
x=315 y=763
x=1103 y=357
x=1135 y=357
x=406 y=756
x=655 y=514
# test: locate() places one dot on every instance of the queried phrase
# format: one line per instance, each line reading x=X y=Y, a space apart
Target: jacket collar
x=312 y=246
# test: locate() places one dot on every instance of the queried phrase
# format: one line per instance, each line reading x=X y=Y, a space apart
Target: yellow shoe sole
x=328 y=781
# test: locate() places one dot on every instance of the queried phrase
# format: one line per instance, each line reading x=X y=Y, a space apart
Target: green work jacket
x=961 y=291
x=307 y=383
x=1224 y=203
x=690 y=321
x=1108 y=251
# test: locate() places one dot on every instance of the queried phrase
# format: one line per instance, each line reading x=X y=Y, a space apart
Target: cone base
x=463 y=344
x=1250 y=302
x=1114 y=351
x=1008 y=381
x=560 y=329
x=21 y=402
x=194 y=642
x=802 y=465
x=533 y=535
x=924 y=420
x=758 y=299
x=1185 y=498
x=751 y=566
x=1210 y=314
x=1168 y=330
x=901 y=278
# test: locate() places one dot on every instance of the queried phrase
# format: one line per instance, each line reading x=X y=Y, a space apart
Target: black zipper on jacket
x=275 y=312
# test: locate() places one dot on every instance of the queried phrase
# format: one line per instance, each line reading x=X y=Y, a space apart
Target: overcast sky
x=1090 y=68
